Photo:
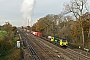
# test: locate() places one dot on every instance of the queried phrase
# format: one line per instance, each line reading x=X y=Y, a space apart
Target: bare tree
x=78 y=8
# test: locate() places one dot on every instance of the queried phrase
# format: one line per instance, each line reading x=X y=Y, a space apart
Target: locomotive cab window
x=64 y=40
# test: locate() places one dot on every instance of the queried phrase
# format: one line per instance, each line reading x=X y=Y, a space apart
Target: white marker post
x=18 y=44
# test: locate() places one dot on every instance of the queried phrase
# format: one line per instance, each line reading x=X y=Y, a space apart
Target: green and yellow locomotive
x=59 y=41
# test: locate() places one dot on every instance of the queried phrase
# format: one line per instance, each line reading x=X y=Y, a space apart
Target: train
x=59 y=41
x=37 y=34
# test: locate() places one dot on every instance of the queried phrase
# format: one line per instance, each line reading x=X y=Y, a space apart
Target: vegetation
x=75 y=28
x=8 y=38
x=2 y=33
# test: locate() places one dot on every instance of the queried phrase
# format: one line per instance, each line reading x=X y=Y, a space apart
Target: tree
x=7 y=27
x=78 y=8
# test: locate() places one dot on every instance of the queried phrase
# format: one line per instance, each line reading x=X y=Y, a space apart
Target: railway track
x=50 y=52
x=78 y=55
x=29 y=47
x=44 y=50
x=47 y=53
x=68 y=52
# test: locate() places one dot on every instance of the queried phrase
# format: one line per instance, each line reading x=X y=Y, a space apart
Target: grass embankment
x=11 y=52
x=2 y=33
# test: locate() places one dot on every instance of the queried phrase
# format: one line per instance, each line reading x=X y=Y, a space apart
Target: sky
x=10 y=10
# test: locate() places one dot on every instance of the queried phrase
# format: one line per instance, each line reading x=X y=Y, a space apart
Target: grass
x=2 y=33
x=11 y=54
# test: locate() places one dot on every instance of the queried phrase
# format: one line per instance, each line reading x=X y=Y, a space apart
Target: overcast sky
x=10 y=10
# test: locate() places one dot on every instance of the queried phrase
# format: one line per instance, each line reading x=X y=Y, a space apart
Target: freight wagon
x=37 y=34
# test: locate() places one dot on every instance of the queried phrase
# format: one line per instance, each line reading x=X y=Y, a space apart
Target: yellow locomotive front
x=63 y=42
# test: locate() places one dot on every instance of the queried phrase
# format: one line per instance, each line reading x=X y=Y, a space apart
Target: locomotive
x=59 y=41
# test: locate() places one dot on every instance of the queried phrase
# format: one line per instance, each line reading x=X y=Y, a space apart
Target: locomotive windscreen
x=63 y=40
